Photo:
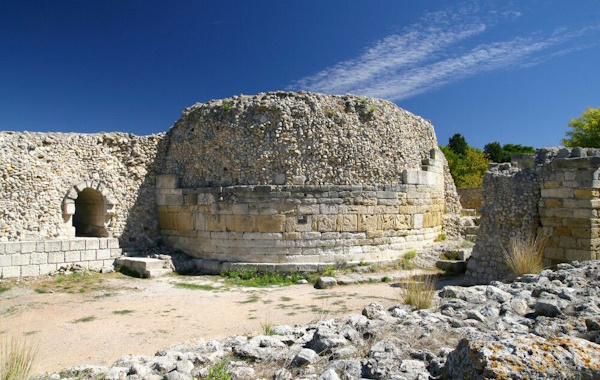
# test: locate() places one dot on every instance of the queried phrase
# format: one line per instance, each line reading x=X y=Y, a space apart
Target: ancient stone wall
x=46 y=177
x=34 y=258
x=288 y=178
x=471 y=198
x=342 y=173
x=552 y=196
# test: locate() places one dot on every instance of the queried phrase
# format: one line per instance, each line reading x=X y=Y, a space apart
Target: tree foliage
x=585 y=130
x=458 y=144
x=497 y=153
x=467 y=170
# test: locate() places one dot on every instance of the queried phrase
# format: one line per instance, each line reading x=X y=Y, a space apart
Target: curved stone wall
x=290 y=179
x=296 y=138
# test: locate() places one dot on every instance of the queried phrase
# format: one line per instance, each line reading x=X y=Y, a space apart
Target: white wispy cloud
x=435 y=52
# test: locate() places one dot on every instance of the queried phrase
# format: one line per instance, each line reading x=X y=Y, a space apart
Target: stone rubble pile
x=541 y=326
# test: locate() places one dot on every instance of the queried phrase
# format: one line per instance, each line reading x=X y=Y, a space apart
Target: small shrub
x=450 y=255
x=17 y=356
x=386 y=279
x=227 y=104
x=267 y=327
x=218 y=371
x=440 y=237
x=372 y=108
x=84 y=319
x=525 y=256
x=406 y=263
x=328 y=271
x=418 y=291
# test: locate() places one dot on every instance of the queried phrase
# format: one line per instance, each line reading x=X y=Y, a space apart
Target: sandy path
x=134 y=316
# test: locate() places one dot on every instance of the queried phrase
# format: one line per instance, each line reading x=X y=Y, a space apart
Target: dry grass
x=525 y=256
x=418 y=291
x=17 y=356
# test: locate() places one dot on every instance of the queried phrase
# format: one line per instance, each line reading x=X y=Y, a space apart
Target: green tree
x=496 y=153
x=493 y=151
x=458 y=144
x=585 y=130
x=467 y=170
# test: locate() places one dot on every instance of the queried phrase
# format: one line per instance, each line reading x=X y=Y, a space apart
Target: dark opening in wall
x=90 y=214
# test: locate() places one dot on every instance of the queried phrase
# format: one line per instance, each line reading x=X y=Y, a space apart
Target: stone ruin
x=278 y=181
x=552 y=196
x=288 y=181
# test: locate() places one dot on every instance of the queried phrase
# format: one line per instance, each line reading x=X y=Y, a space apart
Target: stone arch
x=89 y=206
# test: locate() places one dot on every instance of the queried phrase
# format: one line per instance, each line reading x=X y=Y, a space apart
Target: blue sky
x=513 y=72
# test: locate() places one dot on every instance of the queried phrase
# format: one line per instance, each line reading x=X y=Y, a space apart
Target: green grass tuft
x=218 y=371
x=418 y=291
x=84 y=319
x=122 y=312
x=185 y=285
x=17 y=356
x=250 y=278
x=525 y=256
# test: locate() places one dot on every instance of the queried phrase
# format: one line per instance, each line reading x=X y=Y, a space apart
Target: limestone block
x=286 y=236
x=5 y=260
x=551 y=202
x=308 y=209
x=215 y=222
x=77 y=245
x=348 y=223
x=11 y=272
x=56 y=257
x=579 y=255
x=20 y=259
x=174 y=199
x=166 y=220
x=12 y=247
x=103 y=254
x=47 y=268
x=418 y=221
x=552 y=184
x=374 y=234
x=582 y=232
x=30 y=270
x=567 y=242
x=239 y=209
x=585 y=213
x=554 y=253
x=112 y=243
x=200 y=221
x=166 y=181
x=586 y=193
x=271 y=223
x=72 y=256
x=367 y=222
x=386 y=221
x=578 y=222
x=28 y=246
x=95 y=265
x=92 y=243
x=103 y=244
x=184 y=221
x=88 y=255
x=241 y=223
x=328 y=209
x=205 y=199
x=557 y=193
x=326 y=223
x=300 y=223
x=562 y=231
x=161 y=199
x=39 y=258
x=190 y=199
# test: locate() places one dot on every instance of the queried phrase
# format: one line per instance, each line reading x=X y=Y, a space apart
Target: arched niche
x=90 y=206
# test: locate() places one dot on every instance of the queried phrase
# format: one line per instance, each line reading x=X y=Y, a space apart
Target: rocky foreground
x=544 y=326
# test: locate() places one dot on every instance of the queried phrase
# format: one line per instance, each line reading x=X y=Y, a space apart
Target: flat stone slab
x=145 y=266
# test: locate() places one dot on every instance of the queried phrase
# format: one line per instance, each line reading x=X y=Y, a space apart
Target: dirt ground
x=112 y=315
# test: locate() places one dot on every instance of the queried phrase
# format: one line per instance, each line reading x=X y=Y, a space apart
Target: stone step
x=472 y=230
x=469 y=212
x=471 y=237
x=144 y=266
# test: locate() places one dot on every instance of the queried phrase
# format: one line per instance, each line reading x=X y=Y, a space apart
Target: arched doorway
x=90 y=214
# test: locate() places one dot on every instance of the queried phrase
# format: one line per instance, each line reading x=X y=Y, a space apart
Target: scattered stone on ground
x=540 y=326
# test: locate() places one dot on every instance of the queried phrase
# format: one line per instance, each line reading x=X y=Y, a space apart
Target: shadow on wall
x=141 y=228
